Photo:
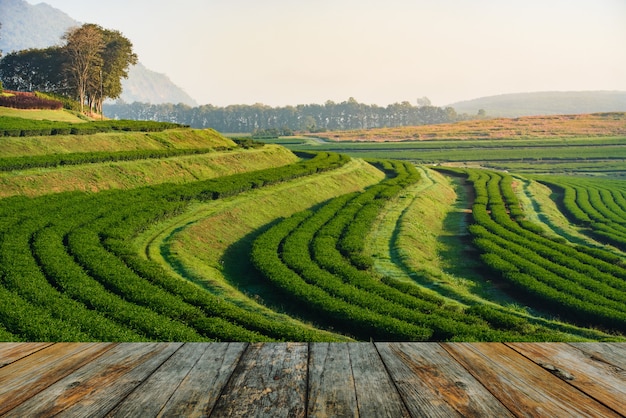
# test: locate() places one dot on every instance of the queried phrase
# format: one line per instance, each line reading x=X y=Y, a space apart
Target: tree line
x=88 y=67
x=330 y=116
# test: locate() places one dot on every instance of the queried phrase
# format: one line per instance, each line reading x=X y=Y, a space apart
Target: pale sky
x=288 y=52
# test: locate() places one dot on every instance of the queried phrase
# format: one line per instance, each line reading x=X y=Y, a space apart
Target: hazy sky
x=281 y=52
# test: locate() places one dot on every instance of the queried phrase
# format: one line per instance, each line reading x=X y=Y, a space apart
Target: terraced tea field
x=184 y=235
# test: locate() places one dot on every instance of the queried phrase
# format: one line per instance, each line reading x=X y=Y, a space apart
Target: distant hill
x=146 y=86
x=39 y=26
x=27 y=26
x=545 y=103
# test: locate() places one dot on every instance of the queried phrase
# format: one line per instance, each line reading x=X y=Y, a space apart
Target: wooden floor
x=318 y=379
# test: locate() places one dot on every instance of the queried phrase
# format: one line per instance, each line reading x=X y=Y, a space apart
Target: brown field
x=558 y=126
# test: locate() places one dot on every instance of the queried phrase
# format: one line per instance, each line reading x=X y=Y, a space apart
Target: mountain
x=146 y=86
x=545 y=103
x=39 y=26
x=27 y=26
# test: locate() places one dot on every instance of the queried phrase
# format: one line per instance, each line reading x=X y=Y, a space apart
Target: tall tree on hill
x=84 y=46
x=89 y=67
x=97 y=61
x=106 y=80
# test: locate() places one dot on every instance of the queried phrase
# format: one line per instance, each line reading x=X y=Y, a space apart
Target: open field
x=559 y=126
x=184 y=235
x=591 y=155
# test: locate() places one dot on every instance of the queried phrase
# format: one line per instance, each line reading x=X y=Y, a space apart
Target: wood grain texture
x=24 y=379
x=331 y=384
x=11 y=352
x=197 y=394
x=96 y=388
x=313 y=379
x=613 y=353
x=377 y=394
x=151 y=396
x=602 y=381
x=270 y=380
x=525 y=388
x=433 y=384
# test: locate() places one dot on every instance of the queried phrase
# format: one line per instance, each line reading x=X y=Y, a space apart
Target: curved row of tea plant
x=599 y=205
x=316 y=258
x=14 y=126
x=56 y=160
x=587 y=286
x=68 y=271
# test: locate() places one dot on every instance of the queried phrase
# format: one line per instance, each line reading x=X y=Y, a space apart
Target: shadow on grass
x=459 y=256
x=240 y=273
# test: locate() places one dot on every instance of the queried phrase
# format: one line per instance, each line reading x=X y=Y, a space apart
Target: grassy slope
x=115 y=141
x=197 y=245
x=102 y=176
x=58 y=115
x=124 y=175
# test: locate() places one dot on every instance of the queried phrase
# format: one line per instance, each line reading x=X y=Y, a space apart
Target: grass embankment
x=129 y=174
x=200 y=243
x=56 y=115
x=559 y=126
x=114 y=141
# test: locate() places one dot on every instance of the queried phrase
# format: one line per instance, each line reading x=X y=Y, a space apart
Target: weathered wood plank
x=100 y=385
x=611 y=353
x=377 y=395
x=602 y=381
x=150 y=397
x=270 y=380
x=198 y=392
x=23 y=379
x=525 y=388
x=331 y=385
x=433 y=384
x=11 y=352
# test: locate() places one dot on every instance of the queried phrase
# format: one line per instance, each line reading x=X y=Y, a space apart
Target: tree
x=424 y=101
x=84 y=51
x=97 y=61
x=35 y=70
x=106 y=80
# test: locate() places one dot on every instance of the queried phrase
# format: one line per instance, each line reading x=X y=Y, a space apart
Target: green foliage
x=317 y=259
x=13 y=126
x=68 y=273
x=248 y=143
x=270 y=133
x=599 y=206
x=270 y=121
x=55 y=160
x=583 y=286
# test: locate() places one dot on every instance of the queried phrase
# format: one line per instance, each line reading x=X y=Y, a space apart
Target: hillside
x=39 y=26
x=31 y=26
x=147 y=231
x=545 y=103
